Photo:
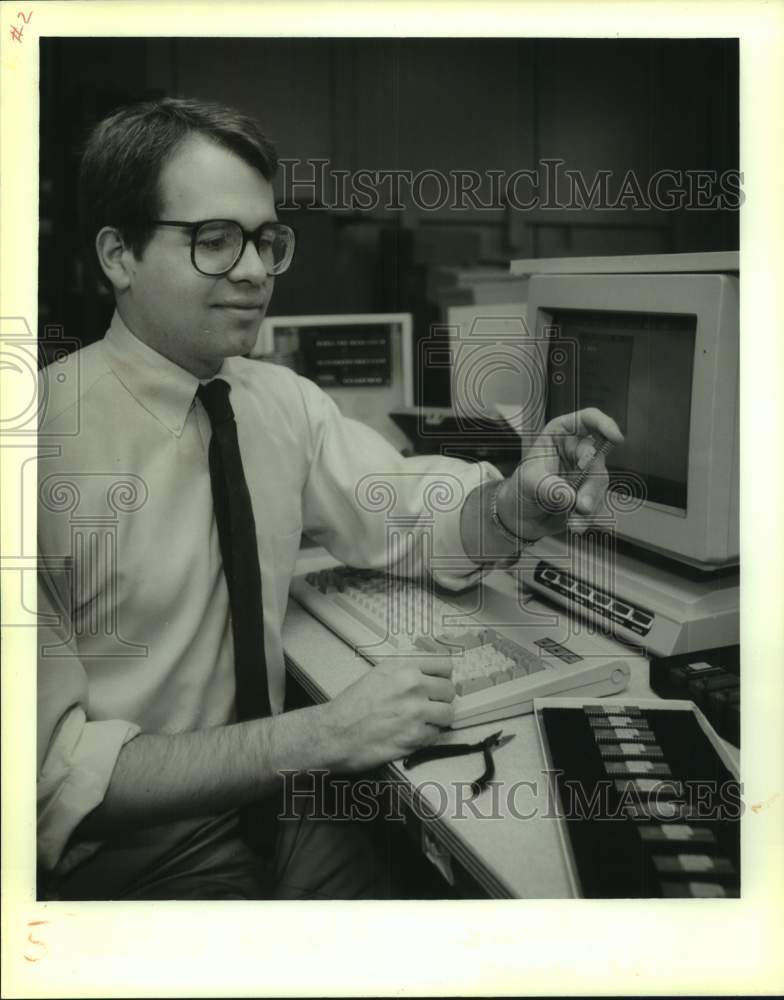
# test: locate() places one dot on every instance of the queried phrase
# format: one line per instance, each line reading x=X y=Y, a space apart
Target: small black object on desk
x=440 y=751
x=708 y=677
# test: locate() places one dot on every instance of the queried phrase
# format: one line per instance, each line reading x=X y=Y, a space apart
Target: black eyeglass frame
x=248 y=235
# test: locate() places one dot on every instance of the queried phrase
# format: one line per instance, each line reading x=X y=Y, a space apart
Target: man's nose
x=250 y=266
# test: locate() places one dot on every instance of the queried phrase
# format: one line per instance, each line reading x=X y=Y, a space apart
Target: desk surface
x=508 y=839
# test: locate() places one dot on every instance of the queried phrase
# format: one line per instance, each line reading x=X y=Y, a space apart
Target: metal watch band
x=510 y=536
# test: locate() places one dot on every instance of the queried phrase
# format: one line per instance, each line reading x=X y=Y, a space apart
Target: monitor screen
x=331 y=356
x=637 y=368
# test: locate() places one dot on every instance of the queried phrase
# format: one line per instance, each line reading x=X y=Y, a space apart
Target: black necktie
x=240 y=554
x=237 y=536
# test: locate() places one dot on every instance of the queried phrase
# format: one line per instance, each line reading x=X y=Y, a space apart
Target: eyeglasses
x=217 y=244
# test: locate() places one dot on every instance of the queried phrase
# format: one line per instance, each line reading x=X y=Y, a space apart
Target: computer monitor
x=363 y=361
x=659 y=353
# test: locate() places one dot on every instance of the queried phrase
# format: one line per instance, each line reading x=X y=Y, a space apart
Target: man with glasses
x=157 y=754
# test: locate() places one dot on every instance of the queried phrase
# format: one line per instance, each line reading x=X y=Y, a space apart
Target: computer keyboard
x=497 y=673
x=649 y=801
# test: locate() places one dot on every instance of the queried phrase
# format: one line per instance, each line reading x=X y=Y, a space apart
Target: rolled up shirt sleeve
x=76 y=756
x=404 y=516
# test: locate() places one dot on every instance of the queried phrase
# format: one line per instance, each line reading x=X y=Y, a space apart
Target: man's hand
x=538 y=497
x=398 y=706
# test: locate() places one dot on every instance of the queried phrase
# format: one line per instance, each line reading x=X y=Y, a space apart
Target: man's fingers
x=439 y=713
x=435 y=666
x=592 y=419
x=440 y=689
x=584 y=422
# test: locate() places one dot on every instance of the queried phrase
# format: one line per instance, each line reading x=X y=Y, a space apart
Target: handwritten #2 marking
x=16 y=32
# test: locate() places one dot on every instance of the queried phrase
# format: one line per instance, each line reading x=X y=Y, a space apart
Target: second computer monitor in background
x=363 y=361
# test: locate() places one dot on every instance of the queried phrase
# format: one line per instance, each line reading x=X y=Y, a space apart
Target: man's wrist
x=501 y=524
x=504 y=507
x=489 y=543
x=302 y=739
x=331 y=751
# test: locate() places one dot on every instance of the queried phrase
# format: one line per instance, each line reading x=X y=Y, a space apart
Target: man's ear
x=115 y=257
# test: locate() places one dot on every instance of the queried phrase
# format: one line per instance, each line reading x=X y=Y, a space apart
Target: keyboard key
x=466 y=640
x=472 y=684
x=429 y=644
x=363 y=614
x=500 y=676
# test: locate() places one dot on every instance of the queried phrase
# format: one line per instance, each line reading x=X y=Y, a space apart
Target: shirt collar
x=159 y=385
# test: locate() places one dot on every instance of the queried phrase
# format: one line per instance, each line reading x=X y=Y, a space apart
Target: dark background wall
x=412 y=104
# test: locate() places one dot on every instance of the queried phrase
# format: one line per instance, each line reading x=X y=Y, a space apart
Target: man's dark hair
x=126 y=152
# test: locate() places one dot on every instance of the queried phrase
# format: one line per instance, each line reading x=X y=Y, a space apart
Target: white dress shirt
x=137 y=636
